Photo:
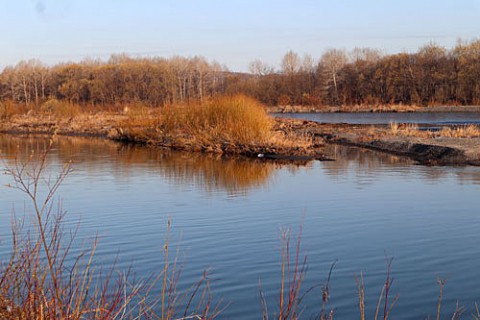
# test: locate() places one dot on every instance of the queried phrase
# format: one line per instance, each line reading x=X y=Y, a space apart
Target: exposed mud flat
x=428 y=151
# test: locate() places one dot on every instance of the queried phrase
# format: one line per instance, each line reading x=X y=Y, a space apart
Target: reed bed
x=470 y=131
x=381 y=108
x=237 y=119
x=408 y=129
x=60 y=109
x=222 y=123
x=360 y=108
x=8 y=109
x=412 y=130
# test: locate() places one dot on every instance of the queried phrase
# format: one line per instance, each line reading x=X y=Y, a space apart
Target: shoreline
x=371 y=109
x=441 y=151
x=111 y=127
x=427 y=151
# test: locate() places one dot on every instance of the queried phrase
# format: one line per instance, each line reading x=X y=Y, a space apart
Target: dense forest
x=433 y=75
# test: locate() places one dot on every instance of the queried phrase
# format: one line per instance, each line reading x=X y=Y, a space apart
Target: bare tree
x=365 y=54
x=308 y=63
x=332 y=61
x=290 y=63
x=260 y=68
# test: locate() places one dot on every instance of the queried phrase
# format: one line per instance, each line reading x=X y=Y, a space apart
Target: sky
x=232 y=32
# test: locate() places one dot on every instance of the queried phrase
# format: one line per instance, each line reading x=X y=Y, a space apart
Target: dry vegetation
x=346 y=108
x=412 y=130
x=237 y=119
x=471 y=131
x=234 y=125
x=363 y=79
x=226 y=124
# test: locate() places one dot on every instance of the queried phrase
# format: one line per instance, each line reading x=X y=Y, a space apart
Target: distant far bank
x=370 y=108
x=240 y=125
x=365 y=80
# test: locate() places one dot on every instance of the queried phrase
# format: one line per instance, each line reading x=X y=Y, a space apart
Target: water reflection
x=217 y=173
x=362 y=158
x=234 y=175
x=354 y=209
x=432 y=118
x=367 y=165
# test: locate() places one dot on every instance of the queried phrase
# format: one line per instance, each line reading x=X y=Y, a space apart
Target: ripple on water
x=227 y=215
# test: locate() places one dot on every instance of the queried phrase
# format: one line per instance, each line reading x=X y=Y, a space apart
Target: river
x=227 y=214
x=428 y=118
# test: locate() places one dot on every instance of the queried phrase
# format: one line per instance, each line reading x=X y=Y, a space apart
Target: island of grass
x=240 y=125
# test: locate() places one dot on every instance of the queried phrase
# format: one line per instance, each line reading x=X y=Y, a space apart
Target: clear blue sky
x=233 y=32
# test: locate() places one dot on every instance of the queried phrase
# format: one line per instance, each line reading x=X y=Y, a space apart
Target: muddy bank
x=426 y=154
x=112 y=126
x=307 y=138
x=427 y=151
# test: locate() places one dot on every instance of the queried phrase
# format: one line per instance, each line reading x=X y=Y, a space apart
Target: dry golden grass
x=394 y=128
x=228 y=123
x=381 y=108
x=60 y=109
x=345 y=108
x=284 y=140
x=137 y=110
x=412 y=130
x=470 y=131
x=409 y=130
x=236 y=119
x=8 y=109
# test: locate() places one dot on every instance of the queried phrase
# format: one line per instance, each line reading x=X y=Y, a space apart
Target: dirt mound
x=423 y=153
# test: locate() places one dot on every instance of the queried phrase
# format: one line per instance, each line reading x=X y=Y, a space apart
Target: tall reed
x=237 y=119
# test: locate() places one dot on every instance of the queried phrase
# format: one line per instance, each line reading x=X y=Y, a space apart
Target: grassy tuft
x=60 y=109
x=412 y=130
x=7 y=110
x=236 y=119
x=470 y=131
x=408 y=129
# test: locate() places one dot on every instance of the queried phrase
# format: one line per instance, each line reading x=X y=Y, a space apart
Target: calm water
x=227 y=215
x=431 y=118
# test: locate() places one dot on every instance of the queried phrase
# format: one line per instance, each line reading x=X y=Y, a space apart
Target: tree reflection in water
x=213 y=172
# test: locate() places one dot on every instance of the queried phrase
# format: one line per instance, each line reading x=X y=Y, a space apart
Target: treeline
x=121 y=79
x=431 y=76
